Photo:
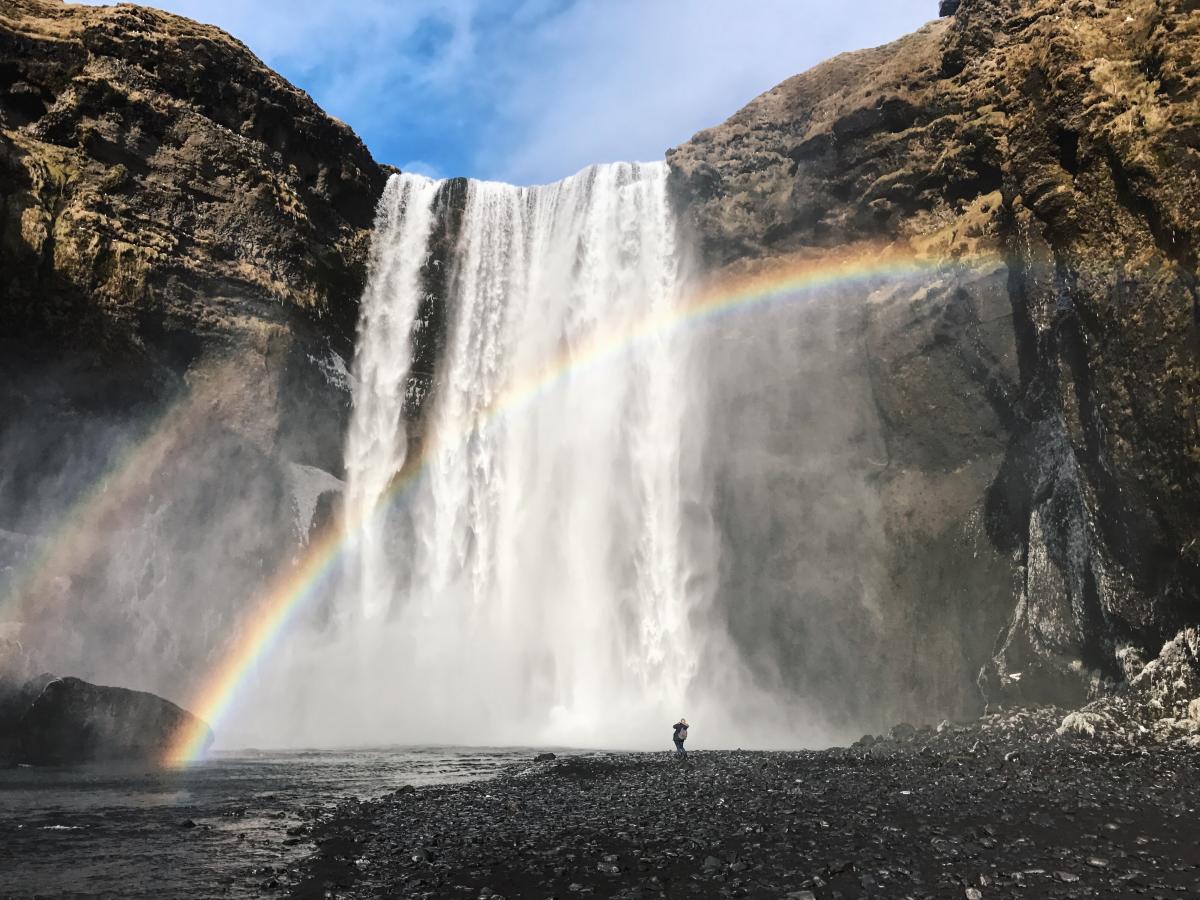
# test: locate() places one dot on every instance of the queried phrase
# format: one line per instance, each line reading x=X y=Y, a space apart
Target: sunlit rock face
x=1042 y=478
x=183 y=241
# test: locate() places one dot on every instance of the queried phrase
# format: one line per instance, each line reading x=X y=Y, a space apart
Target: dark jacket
x=680 y=731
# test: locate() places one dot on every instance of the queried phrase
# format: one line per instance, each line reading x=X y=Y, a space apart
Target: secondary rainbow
x=287 y=593
x=85 y=530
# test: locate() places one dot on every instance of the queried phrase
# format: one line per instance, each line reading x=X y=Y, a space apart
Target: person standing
x=681 y=730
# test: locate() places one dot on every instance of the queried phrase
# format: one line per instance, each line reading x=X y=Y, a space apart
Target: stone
x=948 y=7
x=544 y=757
x=1194 y=710
x=1086 y=724
x=991 y=131
x=68 y=720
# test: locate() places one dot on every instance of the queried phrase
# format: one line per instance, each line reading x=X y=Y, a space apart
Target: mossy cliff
x=1041 y=420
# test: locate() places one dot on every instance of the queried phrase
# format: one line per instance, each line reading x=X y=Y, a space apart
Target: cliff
x=1039 y=418
x=183 y=242
x=165 y=198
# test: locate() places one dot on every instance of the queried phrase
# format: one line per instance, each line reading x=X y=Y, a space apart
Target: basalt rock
x=1039 y=478
x=65 y=721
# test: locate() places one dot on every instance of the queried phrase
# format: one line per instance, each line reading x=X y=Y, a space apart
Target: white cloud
x=627 y=79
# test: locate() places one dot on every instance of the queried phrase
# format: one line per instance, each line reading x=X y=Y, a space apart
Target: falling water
x=537 y=580
x=376 y=444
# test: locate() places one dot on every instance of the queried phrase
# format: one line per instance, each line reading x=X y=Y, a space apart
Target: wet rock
x=886 y=825
x=544 y=757
x=68 y=720
x=992 y=131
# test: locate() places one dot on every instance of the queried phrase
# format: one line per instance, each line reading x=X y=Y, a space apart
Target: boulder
x=68 y=720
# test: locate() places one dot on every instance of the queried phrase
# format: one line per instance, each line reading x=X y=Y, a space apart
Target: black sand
x=998 y=808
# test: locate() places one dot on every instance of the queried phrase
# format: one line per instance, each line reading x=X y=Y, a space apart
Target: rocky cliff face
x=166 y=199
x=1041 y=475
x=183 y=241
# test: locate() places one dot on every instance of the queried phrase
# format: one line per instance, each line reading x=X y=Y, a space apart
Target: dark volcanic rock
x=1000 y=807
x=66 y=720
x=1040 y=478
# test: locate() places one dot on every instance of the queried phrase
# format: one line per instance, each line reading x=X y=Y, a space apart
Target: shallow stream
x=219 y=828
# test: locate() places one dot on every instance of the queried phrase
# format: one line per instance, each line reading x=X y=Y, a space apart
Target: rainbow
x=779 y=282
x=86 y=527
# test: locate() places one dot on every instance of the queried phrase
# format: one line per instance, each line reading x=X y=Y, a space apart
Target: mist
x=569 y=513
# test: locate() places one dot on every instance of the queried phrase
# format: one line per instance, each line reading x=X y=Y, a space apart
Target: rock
x=974 y=894
x=1086 y=724
x=989 y=134
x=903 y=732
x=68 y=720
x=544 y=757
x=178 y=225
x=948 y=7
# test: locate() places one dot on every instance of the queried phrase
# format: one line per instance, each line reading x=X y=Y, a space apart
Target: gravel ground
x=999 y=808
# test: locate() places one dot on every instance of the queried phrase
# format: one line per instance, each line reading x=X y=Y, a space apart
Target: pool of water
x=226 y=827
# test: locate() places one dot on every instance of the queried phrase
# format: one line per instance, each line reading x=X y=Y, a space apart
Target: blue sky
x=529 y=91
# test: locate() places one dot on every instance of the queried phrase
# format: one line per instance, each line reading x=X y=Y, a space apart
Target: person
x=681 y=728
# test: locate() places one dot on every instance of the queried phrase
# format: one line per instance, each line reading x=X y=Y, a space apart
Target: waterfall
x=377 y=441
x=536 y=579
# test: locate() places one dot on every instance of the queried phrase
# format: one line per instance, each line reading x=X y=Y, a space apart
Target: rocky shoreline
x=1011 y=805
